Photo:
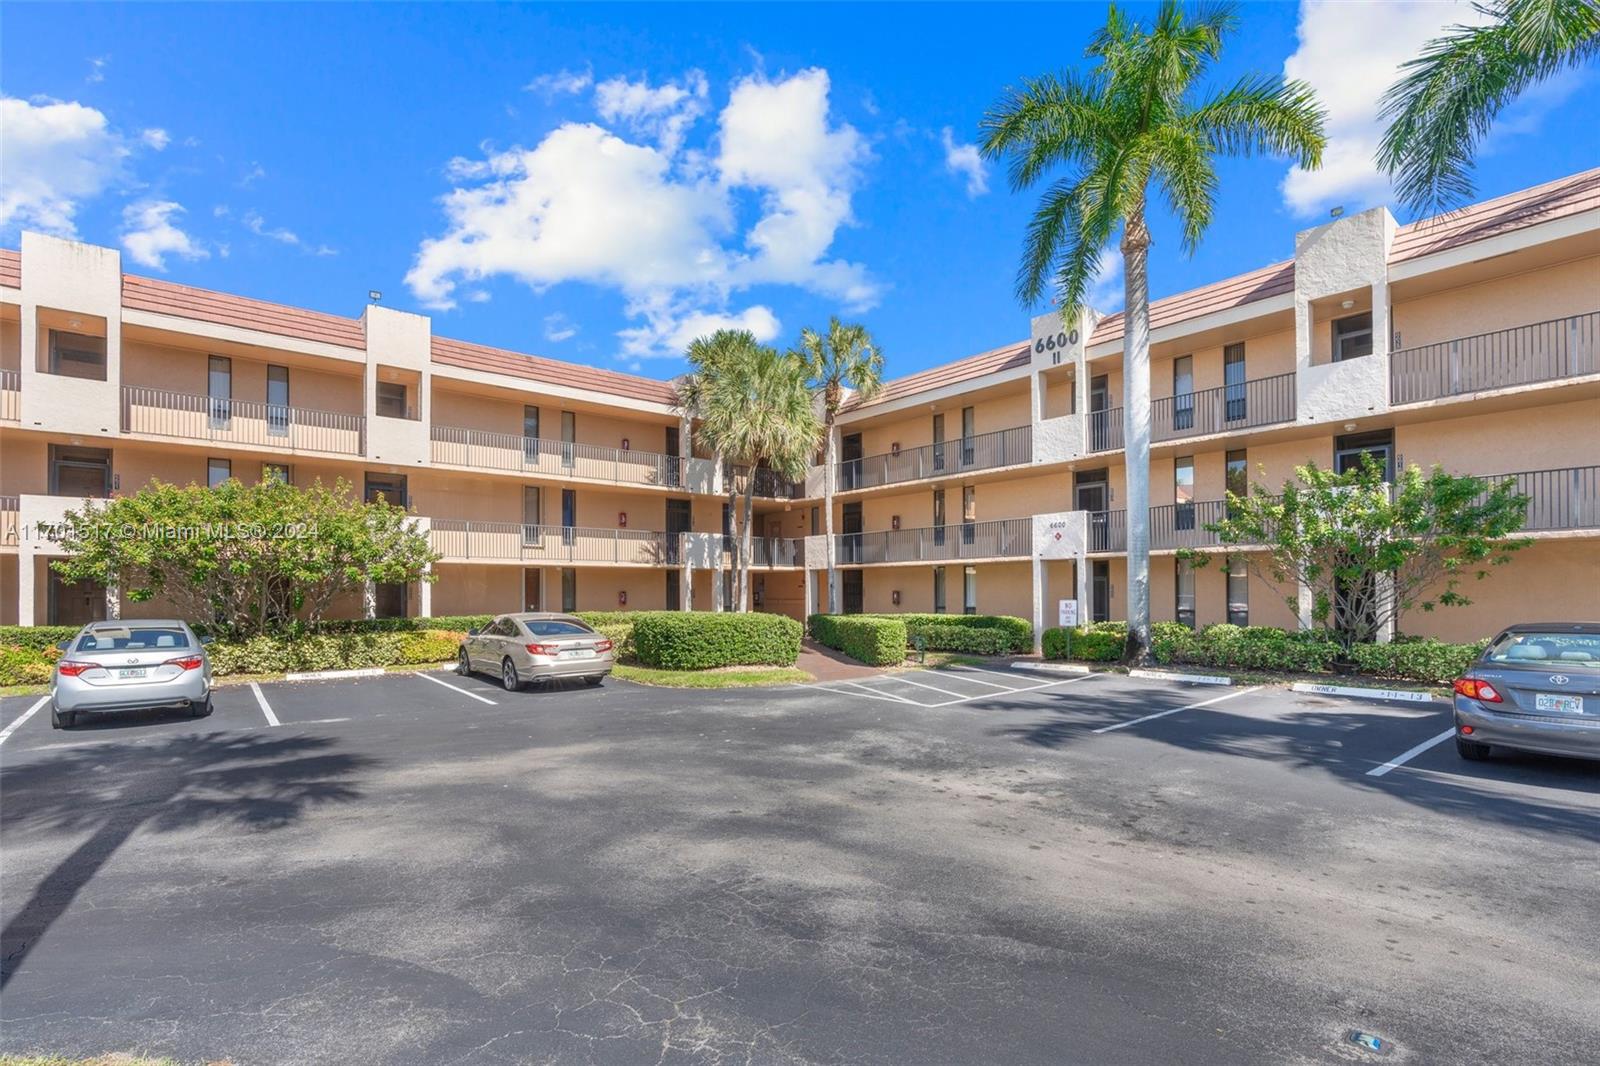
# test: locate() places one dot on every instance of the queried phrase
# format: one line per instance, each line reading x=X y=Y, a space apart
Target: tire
x=1471 y=750
x=594 y=680
x=58 y=720
x=200 y=710
x=463 y=664
x=508 y=677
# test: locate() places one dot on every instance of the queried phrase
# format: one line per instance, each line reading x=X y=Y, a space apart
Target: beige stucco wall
x=1264 y=356
x=1006 y=411
x=8 y=589
x=186 y=371
x=1003 y=588
x=471 y=411
x=1517 y=300
x=1553 y=580
x=1533 y=438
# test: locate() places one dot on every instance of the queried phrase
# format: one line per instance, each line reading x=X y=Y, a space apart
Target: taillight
x=604 y=645
x=69 y=668
x=188 y=662
x=1474 y=689
x=542 y=649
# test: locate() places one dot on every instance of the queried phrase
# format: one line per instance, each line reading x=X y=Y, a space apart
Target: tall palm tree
x=1449 y=96
x=845 y=357
x=753 y=407
x=1132 y=120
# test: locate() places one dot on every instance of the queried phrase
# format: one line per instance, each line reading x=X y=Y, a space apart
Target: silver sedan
x=537 y=646
x=1535 y=688
x=128 y=666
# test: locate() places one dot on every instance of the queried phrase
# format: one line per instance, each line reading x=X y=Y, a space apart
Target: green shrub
x=969 y=639
x=1100 y=642
x=696 y=640
x=459 y=623
x=1242 y=648
x=429 y=646
x=36 y=638
x=1431 y=661
x=24 y=666
x=1018 y=633
x=877 y=640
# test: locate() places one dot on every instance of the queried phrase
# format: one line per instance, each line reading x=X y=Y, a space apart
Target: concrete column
x=716 y=589
x=369 y=600
x=425 y=594
x=1385 y=600
x=1083 y=575
x=810 y=593
x=1306 y=603
x=686 y=588
x=27 y=587
x=1038 y=603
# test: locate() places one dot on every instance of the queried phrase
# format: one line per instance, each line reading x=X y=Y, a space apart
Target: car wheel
x=508 y=676
x=463 y=664
x=1471 y=749
x=59 y=720
x=199 y=708
x=594 y=680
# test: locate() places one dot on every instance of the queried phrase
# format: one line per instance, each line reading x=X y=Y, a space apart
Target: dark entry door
x=850 y=533
x=389 y=600
x=674 y=478
x=1099 y=400
x=852 y=593
x=75 y=603
x=1100 y=590
x=678 y=521
x=530 y=589
x=850 y=461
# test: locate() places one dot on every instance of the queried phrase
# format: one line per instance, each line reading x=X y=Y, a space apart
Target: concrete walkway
x=825 y=664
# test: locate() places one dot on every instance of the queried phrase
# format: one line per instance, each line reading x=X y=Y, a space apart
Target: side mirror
x=473 y=631
x=63 y=645
x=207 y=639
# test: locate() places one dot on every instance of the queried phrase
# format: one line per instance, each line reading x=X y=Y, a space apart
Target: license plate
x=132 y=671
x=1559 y=704
x=577 y=653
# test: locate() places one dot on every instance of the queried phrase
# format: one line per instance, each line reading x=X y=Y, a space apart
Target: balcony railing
x=1524 y=355
x=769 y=483
x=1183 y=525
x=558 y=459
x=461 y=541
x=777 y=551
x=1008 y=538
x=162 y=413
x=1262 y=402
x=10 y=395
x=1105 y=430
x=1558 y=499
x=10 y=516
x=981 y=451
x=1108 y=531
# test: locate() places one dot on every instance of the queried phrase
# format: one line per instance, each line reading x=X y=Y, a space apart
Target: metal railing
x=777 y=551
x=1105 y=430
x=1007 y=538
x=163 y=413
x=1261 y=402
x=10 y=518
x=10 y=395
x=981 y=451
x=485 y=450
x=769 y=483
x=1567 y=498
x=1183 y=525
x=1108 y=531
x=1523 y=355
x=459 y=541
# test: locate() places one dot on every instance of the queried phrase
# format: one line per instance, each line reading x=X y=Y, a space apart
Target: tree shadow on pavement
x=253 y=781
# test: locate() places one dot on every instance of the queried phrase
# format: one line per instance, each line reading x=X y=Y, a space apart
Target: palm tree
x=1131 y=121
x=846 y=357
x=1448 y=97
x=754 y=409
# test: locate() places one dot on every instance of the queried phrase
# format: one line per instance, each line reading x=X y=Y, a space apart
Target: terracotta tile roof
x=552 y=371
x=1526 y=207
x=10 y=268
x=204 y=305
x=973 y=366
x=1218 y=296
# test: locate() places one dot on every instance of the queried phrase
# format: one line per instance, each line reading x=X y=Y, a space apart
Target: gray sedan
x=1536 y=687
x=129 y=666
x=536 y=646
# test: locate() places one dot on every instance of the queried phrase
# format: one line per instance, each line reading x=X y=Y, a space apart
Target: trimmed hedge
x=939 y=631
x=1243 y=648
x=877 y=640
x=695 y=640
x=1098 y=642
x=1432 y=661
x=970 y=639
x=334 y=651
x=36 y=638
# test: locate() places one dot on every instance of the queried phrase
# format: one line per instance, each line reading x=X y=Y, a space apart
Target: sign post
x=1067 y=611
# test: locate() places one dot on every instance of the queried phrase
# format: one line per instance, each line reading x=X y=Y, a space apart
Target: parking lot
x=968 y=864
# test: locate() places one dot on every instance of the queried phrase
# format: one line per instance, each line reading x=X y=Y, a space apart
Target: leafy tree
x=844 y=357
x=754 y=409
x=1448 y=97
x=1131 y=122
x=1368 y=550
x=243 y=559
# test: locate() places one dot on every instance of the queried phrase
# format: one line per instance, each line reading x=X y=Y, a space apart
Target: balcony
x=10 y=395
x=769 y=483
x=1008 y=538
x=981 y=451
x=1105 y=430
x=462 y=542
x=772 y=552
x=484 y=450
x=161 y=413
x=1262 y=402
x=1108 y=531
x=1566 y=499
x=1525 y=355
x=10 y=516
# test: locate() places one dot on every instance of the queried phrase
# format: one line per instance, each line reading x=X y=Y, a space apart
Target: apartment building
x=992 y=484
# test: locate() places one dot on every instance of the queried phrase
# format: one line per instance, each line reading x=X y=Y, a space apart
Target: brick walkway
x=825 y=664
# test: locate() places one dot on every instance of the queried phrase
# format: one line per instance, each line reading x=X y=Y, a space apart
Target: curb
x=1403 y=695
x=1191 y=679
x=333 y=675
x=1053 y=668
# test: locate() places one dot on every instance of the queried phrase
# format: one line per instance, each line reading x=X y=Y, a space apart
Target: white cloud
x=561 y=83
x=149 y=234
x=254 y=173
x=156 y=138
x=1351 y=55
x=671 y=325
x=558 y=327
x=664 y=112
x=97 y=69
x=253 y=222
x=57 y=155
x=963 y=160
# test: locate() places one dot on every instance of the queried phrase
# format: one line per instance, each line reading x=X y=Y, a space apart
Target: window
x=132 y=638
x=969 y=590
x=74 y=355
x=532 y=511
x=1185 y=586
x=1235 y=400
x=938 y=442
x=1183 y=392
x=388 y=487
x=674 y=601
x=938 y=517
x=938 y=590
x=1236 y=474
x=1183 y=492
x=555 y=627
x=569 y=517
x=1352 y=337
x=219 y=390
x=278 y=400
x=969 y=422
x=569 y=437
x=530 y=421
x=727 y=527
x=1348 y=450
x=969 y=513
x=1238 y=592
x=218 y=471
x=80 y=471
x=391 y=399
x=278 y=472
x=569 y=589
x=816 y=520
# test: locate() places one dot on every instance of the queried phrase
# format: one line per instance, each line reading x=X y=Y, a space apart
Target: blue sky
x=599 y=183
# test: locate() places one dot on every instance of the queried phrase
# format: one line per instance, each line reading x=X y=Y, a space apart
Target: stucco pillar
x=1306 y=603
x=369 y=600
x=1384 y=594
x=1084 y=573
x=425 y=594
x=717 y=603
x=686 y=588
x=1038 y=603
x=810 y=593
x=27 y=586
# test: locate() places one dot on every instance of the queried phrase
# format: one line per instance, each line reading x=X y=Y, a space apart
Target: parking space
x=946 y=687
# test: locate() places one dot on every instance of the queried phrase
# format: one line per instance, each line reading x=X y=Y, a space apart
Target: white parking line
x=965 y=671
x=871 y=693
x=456 y=688
x=1406 y=756
x=27 y=714
x=266 y=708
x=1175 y=710
x=919 y=684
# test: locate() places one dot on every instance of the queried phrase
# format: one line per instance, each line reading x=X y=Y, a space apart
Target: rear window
x=1547 y=649
x=554 y=628
x=133 y=638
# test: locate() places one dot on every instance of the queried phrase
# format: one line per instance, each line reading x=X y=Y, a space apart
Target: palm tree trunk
x=1136 y=431
x=830 y=462
x=733 y=496
x=744 y=542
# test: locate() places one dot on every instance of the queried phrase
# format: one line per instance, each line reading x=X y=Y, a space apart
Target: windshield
x=133 y=638
x=1547 y=649
x=552 y=628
